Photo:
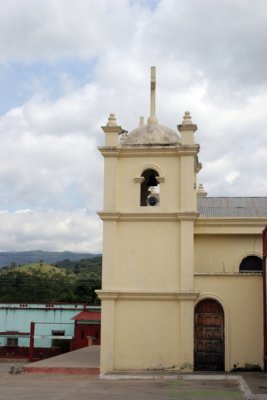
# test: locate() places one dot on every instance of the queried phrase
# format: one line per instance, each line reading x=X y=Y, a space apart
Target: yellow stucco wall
x=148 y=255
x=241 y=298
x=147 y=335
x=223 y=253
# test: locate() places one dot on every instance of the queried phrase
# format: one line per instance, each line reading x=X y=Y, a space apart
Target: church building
x=182 y=281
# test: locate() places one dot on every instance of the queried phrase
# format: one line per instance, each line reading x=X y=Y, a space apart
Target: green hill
x=42 y=268
x=68 y=281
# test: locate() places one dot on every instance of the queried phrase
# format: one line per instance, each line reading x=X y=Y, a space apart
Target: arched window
x=150 y=188
x=251 y=264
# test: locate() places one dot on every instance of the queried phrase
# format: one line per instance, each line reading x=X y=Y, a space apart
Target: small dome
x=151 y=135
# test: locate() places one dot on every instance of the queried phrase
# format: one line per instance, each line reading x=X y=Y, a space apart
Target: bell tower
x=148 y=219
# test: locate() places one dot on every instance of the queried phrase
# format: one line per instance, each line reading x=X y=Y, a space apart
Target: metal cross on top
x=153 y=119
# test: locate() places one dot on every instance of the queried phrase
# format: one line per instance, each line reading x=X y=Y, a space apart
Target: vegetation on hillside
x=67 y=281
x=34 y=256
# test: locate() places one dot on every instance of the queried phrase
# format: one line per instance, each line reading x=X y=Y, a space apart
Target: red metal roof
x=88 y=316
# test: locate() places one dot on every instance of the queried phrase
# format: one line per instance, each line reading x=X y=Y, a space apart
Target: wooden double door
x=209 y=345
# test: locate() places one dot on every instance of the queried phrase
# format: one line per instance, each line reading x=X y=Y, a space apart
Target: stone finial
x=187 y=119
x=112 y=131
x=201 y=191
x=141 y=121
x=187 y=129
x=112 y=120
x=153 y=119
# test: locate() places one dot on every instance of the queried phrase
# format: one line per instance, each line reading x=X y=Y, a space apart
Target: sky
x=66 y=64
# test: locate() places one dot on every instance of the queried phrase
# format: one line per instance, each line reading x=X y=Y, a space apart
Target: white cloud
x=38 y=170
x=231 y=177
x=47 y=29
x=50 y=230
x=210 y=59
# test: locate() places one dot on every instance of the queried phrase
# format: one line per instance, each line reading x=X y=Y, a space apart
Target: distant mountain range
x=49 y=257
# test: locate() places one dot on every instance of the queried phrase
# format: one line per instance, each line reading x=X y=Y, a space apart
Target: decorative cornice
x=148 y=216
x=181 y=295
x=112 y=129
x=226 y=225
x=227 y=274
x=189 y=150
x=187 y=127
x=109 y=151
x=164 y=151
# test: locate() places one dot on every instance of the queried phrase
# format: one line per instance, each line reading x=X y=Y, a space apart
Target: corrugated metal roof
x=247 y=207
x=88 y=316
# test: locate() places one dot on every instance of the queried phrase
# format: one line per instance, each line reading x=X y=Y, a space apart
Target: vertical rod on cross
x=31 y=350
x=153 y=119
x=153 y=92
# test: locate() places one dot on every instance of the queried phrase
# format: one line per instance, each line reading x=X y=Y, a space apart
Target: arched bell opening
x=150 y=188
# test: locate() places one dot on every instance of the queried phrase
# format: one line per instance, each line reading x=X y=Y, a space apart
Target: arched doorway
x=209 y=336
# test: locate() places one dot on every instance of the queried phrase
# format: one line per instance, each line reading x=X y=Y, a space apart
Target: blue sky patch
x=20 y=81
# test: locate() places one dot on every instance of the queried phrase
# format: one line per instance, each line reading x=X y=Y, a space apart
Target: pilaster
x=109 y=268
x=110 y=183
x=187 y=335
x=186 y=255
x=107 y=336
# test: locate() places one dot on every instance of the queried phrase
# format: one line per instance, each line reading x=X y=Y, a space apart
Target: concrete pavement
x=74 y=375
x=27 y=386
x=84 y=361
